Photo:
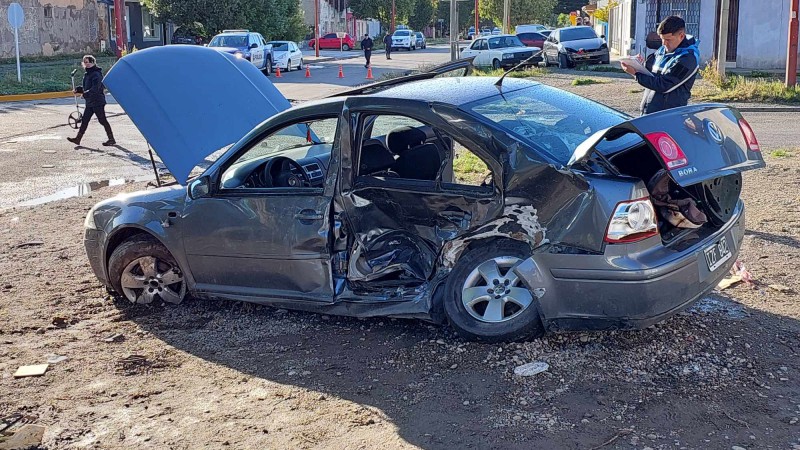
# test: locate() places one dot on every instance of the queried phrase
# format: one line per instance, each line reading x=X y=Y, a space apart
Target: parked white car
x=503 y=51
x=404 y=39
x=287 y=55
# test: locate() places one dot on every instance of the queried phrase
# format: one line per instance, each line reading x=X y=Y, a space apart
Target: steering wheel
x=278 y=173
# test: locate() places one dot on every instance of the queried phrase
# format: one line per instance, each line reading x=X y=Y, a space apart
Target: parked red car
x=334 y=41
x=532 y=39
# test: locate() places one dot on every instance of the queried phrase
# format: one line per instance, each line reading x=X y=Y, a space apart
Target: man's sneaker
x=110 y=142
x=74 y=140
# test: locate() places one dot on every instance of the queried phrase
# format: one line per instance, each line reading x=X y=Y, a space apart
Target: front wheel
x=143 y=270
x=487 y=301
x=289 y=66
x=495 y=64
x=300 y=66
x=563 y=62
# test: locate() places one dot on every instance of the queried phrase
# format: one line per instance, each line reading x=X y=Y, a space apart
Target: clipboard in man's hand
x=636 y=64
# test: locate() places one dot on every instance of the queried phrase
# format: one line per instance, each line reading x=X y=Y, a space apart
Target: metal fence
x=688 y=10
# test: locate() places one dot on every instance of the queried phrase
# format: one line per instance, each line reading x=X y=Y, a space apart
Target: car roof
x=497 y=36
x=452 y=90
x=576 y=26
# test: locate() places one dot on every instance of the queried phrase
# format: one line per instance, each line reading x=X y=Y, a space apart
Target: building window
x=151 y=30
x=48 y=12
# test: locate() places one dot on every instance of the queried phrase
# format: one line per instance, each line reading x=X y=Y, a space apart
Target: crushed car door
x=399 y=200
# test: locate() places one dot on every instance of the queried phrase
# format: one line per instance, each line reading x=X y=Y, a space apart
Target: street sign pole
x=16 y=17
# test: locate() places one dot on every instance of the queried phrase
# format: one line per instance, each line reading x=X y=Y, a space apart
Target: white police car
x=245 y=44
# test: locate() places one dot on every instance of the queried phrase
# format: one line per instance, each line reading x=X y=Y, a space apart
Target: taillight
x=632 y=221
x=668 y=149
x=749 y=136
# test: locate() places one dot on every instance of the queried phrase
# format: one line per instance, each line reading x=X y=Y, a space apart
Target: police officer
x=366 y=45
x=94 y=94
x=674 y=69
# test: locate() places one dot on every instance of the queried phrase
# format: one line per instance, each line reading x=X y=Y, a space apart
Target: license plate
x=717 y=254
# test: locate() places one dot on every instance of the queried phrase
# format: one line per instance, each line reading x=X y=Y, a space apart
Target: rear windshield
x=280 y=46
x=401 y=33
x=229 y=41
x=575 y=34
x=549 y=119
x=505 y=42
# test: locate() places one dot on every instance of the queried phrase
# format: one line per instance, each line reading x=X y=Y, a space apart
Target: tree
x=522 y=11
x=563 y=20
x=422 y=15
x=603 y=13
x=567 y=6
x=275 y=19
x=382 y=10
x=466 y=14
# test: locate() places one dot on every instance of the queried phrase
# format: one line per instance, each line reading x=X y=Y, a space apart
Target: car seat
x=419 y=163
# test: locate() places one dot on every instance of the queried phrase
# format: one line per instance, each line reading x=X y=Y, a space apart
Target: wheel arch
x=126 y=232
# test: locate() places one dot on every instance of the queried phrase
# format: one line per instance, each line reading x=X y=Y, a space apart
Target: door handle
x=308 y=214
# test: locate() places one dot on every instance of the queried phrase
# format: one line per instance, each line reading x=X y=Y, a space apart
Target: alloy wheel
x=493 y=292
x=147 y=278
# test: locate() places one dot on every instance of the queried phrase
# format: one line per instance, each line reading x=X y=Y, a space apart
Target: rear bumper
x=630 y=286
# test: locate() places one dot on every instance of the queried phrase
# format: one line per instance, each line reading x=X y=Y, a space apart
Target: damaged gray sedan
x=506 y=210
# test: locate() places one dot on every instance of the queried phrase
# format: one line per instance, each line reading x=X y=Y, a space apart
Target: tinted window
x=280 y=46
x=401 y=33
x=531 y=36
x=329 y=36
x=574 y=34
x=549 y=119
x=505 y=42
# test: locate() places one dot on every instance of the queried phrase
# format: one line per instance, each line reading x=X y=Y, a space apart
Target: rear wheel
x=487 y=301
x=268 y=67
x=300 y=66
x=346 y=47
x=142 y=270
x=289 y=66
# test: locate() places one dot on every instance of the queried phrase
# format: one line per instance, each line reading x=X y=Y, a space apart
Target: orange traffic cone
x=308 y=72
x=278 y=72
x=369 y=73
x=341 y=73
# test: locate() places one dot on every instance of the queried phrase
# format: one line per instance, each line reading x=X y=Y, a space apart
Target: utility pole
x=791 y=57
x=477 y=20
x=119 y=22
x=722 y=39
x=507 y=16
x=454 y=30
x=316 y=28
x=394 y=12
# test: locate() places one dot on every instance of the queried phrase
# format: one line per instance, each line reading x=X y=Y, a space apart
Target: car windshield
x=401 y=33
x=505 y=42
x=280 y=46
x=576 y=34
x=549 y=119
x=229 y=41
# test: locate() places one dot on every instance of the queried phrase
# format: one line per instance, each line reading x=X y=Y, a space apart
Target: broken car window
x=554 y=124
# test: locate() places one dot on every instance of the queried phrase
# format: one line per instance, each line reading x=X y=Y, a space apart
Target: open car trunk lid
x=694 y=143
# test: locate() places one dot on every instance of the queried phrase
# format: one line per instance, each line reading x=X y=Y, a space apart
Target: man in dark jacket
x=674 y=69
x=95 y=96
x=366 y=45
x=387 y=42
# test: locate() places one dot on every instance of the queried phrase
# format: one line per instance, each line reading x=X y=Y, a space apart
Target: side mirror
x=253 y=45
x=199 y=188
x=602 y=36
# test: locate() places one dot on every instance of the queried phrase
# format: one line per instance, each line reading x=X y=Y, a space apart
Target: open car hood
x=190 y=101
x=711 y=142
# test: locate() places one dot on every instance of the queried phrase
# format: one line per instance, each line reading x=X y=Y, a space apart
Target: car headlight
x=239 y=55
x=89 y=221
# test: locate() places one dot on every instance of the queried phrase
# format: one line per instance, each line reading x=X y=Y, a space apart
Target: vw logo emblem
x=714 y=132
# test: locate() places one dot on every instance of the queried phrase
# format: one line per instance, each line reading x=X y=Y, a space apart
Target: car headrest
x=403 y=138
x=374 y=157
x=419 y=163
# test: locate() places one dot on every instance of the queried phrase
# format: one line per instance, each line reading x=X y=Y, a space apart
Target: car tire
x=563 y=62
x=606 y=60
x=267 y=70
x=300 y=66
x=289 y=65
x=345 y=48
x=142 y=259
x=495 y=64
x=470 y=275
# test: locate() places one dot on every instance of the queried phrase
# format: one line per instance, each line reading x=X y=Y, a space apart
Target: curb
x=29 y=97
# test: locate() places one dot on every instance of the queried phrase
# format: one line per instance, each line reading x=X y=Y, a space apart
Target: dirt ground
x=211 y=374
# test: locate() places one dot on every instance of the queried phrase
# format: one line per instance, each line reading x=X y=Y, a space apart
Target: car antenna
x=499 y=83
